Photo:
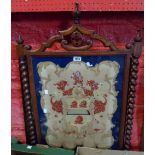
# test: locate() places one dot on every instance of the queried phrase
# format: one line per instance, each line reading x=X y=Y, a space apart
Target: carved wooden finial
x=20 y=40
x=137 y=48
x=77 y=13
x=138 y=37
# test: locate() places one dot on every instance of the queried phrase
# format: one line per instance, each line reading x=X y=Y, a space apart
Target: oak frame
x=76 y=46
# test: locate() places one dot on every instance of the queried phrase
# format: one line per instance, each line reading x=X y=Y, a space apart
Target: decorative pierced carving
x=76 y=39
x=132 y=88
x=29 y=120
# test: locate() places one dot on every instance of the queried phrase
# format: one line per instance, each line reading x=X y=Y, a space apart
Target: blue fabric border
x=62 y=62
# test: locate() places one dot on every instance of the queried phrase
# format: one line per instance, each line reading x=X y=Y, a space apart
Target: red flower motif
x=79 y=120
x=57 y=106
x=77 y=77
x=88 y=92
x=68 y=92
x=74 y=104
x=92 y=84
x=61 y=85
x=83 y=104
x=99 y=106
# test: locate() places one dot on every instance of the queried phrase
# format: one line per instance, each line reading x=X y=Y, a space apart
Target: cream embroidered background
x=79 y=102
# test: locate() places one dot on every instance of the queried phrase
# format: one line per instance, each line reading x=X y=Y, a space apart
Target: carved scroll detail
x=29 y=120
x=76 y=38
x=137 y=48
x=77 y=33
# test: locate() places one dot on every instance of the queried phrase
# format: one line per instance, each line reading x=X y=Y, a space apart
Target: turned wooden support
x=134 y=62
x=31 y=138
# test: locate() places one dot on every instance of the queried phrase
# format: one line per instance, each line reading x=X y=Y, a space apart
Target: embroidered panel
x=79 y=101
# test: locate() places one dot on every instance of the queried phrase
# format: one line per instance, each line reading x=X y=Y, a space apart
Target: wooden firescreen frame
x=75 y=45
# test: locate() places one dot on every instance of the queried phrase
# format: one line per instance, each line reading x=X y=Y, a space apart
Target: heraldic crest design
x=79 y=101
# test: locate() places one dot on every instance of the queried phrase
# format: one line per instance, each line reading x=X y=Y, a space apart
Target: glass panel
x=79 y=99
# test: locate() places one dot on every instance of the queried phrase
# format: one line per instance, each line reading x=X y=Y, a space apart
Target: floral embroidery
x=79 y=120
x=74 y=104
x=77 y=77
x=78 y=99
x=61 y=85
x=92 y=84
x=99 y=106
x=88 y=92
x=68 y=92
x=83 y=104
x=56 y=105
